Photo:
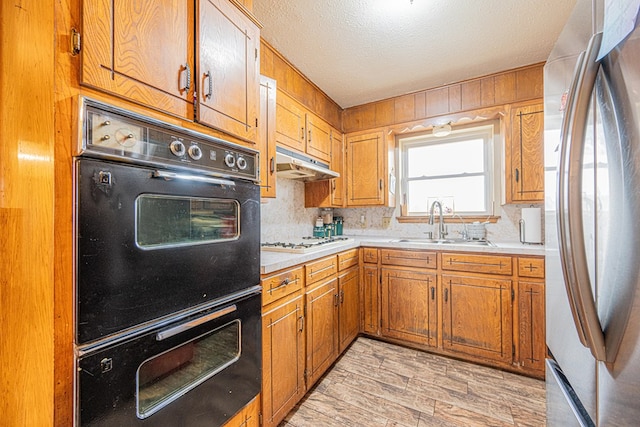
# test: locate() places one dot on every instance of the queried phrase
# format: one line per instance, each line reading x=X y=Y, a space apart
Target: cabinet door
x=267 y=137
x=531 y=325
x=337 y=164
x=141 y=51
x=322 y=328
x=282 y=359
x=349 y=313
x=526 y=154
x=365 y=169
x=409 y=308
x=369 y=300
x=477 y=317
x=290 y=123
x=318 y=138
x=228 y=69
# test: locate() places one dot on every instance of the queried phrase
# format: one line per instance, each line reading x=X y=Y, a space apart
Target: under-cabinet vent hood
x=292 y=165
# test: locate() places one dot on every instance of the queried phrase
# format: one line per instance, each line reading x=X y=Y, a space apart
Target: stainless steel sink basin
x=447 y=242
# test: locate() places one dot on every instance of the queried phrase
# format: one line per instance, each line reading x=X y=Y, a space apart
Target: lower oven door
x=196 y=372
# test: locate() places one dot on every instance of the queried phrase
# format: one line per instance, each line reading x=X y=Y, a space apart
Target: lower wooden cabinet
x=409 y=307
x=348 y=313
x=249 y=416
x=477 y=318
x=322 y=302
x=532 y=347
x=283 y=361
x=369 y=300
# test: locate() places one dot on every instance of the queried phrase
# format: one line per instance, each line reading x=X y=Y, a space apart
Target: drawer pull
x=322 y=269
x=284 y=283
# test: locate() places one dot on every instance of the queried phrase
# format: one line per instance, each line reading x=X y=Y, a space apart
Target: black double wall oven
x=167 y=280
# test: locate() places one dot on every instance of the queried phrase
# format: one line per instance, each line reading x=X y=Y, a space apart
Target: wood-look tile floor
x=380 y=384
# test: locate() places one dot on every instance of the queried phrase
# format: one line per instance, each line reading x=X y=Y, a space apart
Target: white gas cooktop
x=306 y=244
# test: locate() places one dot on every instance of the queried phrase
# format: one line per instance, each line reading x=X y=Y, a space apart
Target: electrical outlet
x=386 y=221
x=363 y=221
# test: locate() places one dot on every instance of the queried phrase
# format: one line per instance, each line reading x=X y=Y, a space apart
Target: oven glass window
x=168 y=221
x=164 y=378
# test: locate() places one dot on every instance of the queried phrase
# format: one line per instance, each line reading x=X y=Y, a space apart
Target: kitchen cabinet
x=348 y=310
x=267 y=137
x=322 y=301
x=369 y=299
x=146 y=51
x=283 y=344
x=228 y=69
x=369 y=170
x=524 y=154
x=329 y=193
x=300 y=130
x=142 y=51
x=531 y=339
x=249 y=416
x=409 y=307
x=477 y=316
x=477 y=263
x=404 y=258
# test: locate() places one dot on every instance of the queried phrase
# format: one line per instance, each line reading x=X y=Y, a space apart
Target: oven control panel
x=113 y=133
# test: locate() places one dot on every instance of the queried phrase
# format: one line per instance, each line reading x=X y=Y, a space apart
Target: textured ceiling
x=358 y=51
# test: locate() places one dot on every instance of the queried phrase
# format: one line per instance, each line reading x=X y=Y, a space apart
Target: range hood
x=292 y=165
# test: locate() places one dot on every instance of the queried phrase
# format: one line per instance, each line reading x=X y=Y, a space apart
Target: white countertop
x=274 y=261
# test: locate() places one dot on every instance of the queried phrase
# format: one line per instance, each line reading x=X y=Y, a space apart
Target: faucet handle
x=429 y=234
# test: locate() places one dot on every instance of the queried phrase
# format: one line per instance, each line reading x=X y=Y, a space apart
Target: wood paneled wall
x=26 y=213
x=497 y=89
x=296 y=85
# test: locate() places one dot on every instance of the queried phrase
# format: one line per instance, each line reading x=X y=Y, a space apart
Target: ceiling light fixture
x=441 y=130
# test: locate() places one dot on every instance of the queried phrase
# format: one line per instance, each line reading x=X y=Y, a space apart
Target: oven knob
x=177 y=148
x=242 y=163
x=195 y=152
x=229 y=160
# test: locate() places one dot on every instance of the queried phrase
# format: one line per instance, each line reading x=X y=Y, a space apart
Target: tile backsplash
x=286 y=218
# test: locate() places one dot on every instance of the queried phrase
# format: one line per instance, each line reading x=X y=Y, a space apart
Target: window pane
x=446 y=159
x=468 y=193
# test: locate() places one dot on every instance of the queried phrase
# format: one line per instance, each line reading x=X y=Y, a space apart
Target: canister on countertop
x=318 y=230
x=327 y=215
x=337 y=225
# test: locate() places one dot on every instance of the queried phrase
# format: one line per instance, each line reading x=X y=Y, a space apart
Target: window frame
x=489 y=131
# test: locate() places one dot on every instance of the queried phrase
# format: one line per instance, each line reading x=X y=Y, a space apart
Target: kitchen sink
x=447 y=242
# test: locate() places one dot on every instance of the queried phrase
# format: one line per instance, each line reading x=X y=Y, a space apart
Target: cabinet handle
x=342 y=296
x=301 y=318
x=433 y=293
x=272 y=165
x=517 y=175
x=185 y=78
x=302 y=133
x=207 y=77
x=380 y=184
x=336 y=298
x=309 y=140
x=446 y=294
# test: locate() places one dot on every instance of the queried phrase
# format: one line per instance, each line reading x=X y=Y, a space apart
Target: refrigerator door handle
x=575 y=255
x=561 y=192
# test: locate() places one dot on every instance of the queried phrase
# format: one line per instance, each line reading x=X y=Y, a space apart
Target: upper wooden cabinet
x=524 y=154
x=329 y=193
x=368 y=160
x=142 y=51
x=267 y=137
x=300 y=130
x=145 y=51
x=228 y=69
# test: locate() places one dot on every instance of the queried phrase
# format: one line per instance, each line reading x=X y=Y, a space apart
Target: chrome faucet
x=442 y=230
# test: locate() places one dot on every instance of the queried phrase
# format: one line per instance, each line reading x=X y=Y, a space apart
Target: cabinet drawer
x=531 y=267
x=321 y=269
x=280 y=285
x=347 y=259
x=370 y=255
x=491 y=264
x=420 y=259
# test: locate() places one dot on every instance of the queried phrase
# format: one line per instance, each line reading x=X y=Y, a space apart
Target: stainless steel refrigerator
x=592 y=219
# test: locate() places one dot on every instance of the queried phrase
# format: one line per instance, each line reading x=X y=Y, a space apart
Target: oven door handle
x=167 y=333
x=199 y=178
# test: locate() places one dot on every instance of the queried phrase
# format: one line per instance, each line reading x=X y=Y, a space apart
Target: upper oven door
x=149 y=246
